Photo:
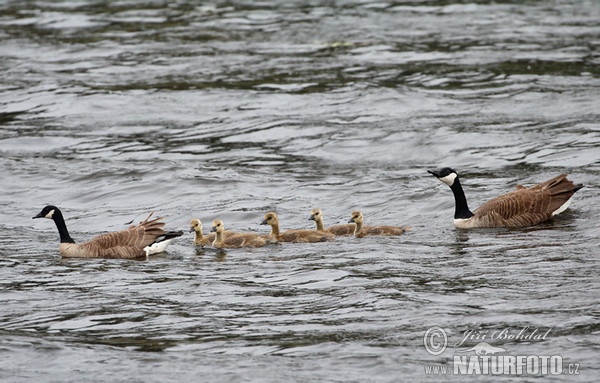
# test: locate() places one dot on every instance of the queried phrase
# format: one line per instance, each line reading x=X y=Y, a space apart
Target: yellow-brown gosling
x=298 y=236
x=199 y=238
x=149 y=237
x=234 y=241
x=337 y=230
x=519 y=208
x=362 y=231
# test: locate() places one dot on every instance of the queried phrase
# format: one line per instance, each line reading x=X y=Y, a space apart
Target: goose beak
x=264 y=222
x=39 y=215
x=214 y=229
x=434 y=173
x=191 y=230
x=351 y=220
x=311 y=218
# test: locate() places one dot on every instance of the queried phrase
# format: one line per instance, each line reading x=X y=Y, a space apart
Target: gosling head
x=217 y=226
x=315 y=214
x=356 y=217
x=270 y=219
x=48 y=212
x=446 y=175
x=195 y=225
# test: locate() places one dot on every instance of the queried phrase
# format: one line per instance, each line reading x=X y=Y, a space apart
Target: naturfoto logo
x=484 y=358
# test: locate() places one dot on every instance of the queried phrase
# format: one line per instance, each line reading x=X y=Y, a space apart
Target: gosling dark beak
x=214 y=229
x=191 y=230
x=39 y=215
x=351 y=220
x=434 y=173
x=264 y=222
x=311 y=218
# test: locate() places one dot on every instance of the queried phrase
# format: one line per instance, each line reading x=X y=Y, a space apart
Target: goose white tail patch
x=157 y=247
x=50 y=214
x=449 y=179
x=562 y=207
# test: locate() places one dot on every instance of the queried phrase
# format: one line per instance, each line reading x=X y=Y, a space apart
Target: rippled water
x=111 y=109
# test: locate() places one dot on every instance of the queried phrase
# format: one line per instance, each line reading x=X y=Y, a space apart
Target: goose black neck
x=62 y=227
x=461 y=209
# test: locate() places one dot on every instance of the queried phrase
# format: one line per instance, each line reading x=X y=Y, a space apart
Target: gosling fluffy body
x=337 y=230
x=362 y=231
x=297 y=236
x=237 y=240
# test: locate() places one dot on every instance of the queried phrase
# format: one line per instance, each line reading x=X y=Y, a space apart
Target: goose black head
x=446 y=175
x=48 y=212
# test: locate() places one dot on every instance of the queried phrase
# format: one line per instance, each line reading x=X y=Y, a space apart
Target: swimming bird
x=149 y=237
x=362 y=231
x=298 y=236
x=199 y=238
x=519 y=208
x=237 y=240
x=317 y=216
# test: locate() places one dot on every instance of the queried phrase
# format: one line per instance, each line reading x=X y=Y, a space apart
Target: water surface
x=230 y=109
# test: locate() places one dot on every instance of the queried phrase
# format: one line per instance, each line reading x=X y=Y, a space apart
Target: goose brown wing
x=527 y=206
x=127 y=243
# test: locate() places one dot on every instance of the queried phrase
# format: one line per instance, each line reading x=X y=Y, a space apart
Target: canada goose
x=522 y=207
x=147 y=238
x=237 y=240
x=297 y=236
x=317 y=216
x=362 y=231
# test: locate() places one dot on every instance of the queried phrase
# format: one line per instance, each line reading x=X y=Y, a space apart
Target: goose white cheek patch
x=449 y=179
x=50 y=214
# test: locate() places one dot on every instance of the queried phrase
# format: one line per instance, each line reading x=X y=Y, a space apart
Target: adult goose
x=317 y=216
x=360 y=230
x=147 y=238
x=525 y=206
x=298 y=236
x=237 y=240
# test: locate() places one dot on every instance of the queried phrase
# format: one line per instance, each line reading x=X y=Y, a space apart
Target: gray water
x=113 y=109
